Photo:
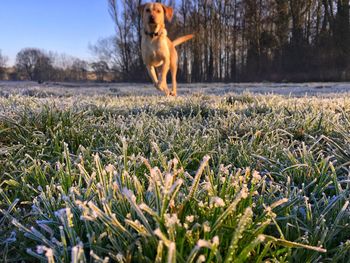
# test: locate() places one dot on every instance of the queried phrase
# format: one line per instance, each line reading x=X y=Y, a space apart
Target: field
x=116 y=173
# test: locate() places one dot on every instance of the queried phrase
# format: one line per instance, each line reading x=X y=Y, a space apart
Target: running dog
x=156 y=48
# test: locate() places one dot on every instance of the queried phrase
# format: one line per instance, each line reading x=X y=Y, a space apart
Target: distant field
x=134 y=89
x=223 y=173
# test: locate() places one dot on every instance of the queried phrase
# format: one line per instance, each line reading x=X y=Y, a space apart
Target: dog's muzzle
x=151 y=20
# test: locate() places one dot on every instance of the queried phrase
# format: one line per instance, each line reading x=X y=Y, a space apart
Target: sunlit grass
x=198 y=179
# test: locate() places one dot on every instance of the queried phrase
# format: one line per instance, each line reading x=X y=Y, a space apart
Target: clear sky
x=64 y=26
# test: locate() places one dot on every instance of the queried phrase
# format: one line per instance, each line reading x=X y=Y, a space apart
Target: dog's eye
x=158 y=11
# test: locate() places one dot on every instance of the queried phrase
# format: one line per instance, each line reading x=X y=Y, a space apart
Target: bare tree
x=106 y=49
x=100 y=68
x=3 y=64
x=79 y=70
x=127 y=26
x=34 y=64
x=342 y=33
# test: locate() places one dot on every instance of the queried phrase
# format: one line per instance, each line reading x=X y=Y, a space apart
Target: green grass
x=198 y=179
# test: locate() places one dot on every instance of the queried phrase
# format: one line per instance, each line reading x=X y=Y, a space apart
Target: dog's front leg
x=162 y=79
x=152 y=73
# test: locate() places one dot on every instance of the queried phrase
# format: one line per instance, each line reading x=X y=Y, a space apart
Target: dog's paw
x=173 y=93
x=158 y=86
x=167 y=92
x=163 y=87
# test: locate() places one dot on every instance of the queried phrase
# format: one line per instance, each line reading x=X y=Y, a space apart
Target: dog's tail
x=182 y=39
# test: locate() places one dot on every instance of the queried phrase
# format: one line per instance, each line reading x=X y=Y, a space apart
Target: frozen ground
x=127 y=89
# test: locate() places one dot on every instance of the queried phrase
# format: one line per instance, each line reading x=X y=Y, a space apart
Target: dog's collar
x=152 y=34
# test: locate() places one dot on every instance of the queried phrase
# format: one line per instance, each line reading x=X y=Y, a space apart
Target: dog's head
x=154 y=14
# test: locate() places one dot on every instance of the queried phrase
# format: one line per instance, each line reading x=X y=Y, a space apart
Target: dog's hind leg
x=173 y=70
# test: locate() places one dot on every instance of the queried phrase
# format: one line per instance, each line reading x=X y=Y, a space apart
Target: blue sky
x=64 y=26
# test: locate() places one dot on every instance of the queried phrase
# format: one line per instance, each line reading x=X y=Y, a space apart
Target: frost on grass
x=197 y=179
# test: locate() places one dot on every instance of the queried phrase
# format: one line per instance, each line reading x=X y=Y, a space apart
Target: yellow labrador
x=157 y=49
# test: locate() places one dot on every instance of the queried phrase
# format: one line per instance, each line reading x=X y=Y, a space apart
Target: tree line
x=39 y=65
x=241 y=40
x=235 y=41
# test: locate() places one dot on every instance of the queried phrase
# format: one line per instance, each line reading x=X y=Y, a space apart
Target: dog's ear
x=169 y=12
x=140 y=8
